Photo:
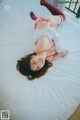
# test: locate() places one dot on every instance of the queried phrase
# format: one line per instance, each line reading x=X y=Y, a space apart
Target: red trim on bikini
x=42 y=19
x=47 y=50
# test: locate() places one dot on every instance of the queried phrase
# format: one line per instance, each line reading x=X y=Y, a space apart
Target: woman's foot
x=33 y=15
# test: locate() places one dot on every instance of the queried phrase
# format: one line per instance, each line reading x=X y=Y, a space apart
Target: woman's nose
x=39 y=64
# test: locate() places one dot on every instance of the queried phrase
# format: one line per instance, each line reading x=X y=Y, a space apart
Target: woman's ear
x=32 y=56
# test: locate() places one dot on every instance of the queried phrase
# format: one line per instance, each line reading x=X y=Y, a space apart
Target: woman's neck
x=42 y=54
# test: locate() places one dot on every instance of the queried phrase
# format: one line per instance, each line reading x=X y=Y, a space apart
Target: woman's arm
x=42 y=44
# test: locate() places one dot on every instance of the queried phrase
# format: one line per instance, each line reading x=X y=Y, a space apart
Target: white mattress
x=51 y=97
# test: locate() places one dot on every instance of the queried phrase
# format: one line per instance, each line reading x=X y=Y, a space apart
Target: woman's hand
x=63 y=53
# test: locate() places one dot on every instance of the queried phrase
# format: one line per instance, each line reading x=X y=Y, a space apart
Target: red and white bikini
x=48 y=50
x=42 y=19
x=50 y=33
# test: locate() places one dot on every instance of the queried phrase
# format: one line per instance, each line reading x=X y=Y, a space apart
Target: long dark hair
x=23 y=66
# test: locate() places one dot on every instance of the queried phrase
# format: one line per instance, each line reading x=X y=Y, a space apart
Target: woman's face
x=37 y=62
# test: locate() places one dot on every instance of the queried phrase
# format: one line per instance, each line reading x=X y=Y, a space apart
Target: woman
x=47 y=44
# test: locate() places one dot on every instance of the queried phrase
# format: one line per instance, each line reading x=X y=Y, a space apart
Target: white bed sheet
x=51 y=97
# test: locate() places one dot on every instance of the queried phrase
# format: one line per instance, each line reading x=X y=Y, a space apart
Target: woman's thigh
x=56 y=20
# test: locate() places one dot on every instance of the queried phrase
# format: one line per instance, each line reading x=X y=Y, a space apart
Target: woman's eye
x=34 y=62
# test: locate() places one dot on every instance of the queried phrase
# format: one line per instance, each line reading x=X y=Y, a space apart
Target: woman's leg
x=54 y=19
x=52 y=8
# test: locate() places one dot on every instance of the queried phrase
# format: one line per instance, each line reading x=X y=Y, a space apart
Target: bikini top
x=46 y=51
